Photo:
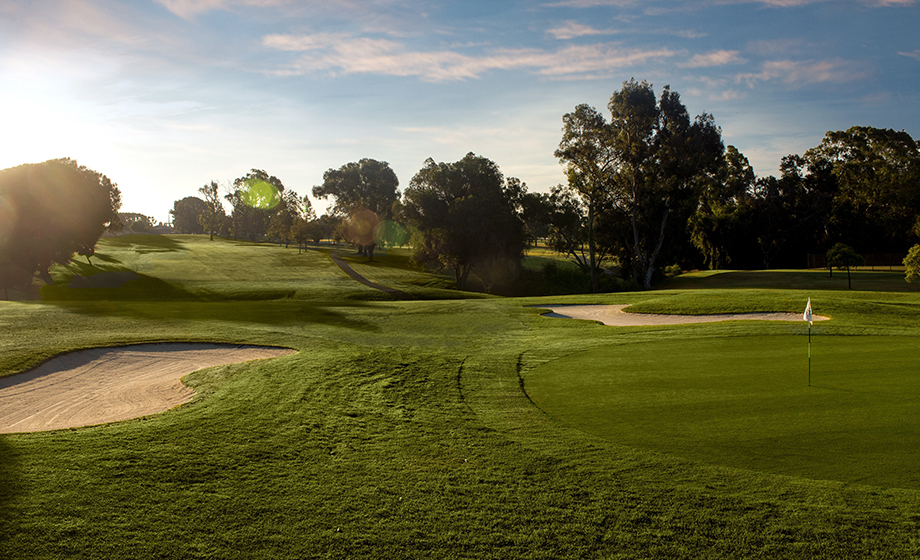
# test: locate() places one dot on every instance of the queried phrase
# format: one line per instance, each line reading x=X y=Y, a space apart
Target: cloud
x=715 y=58
x=915 y=54
x=572 y=29
x=187 y=9
x=338 y=54
x=800 y=73
x=590 y=3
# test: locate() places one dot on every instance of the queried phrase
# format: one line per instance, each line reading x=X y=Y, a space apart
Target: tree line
x=646 y=188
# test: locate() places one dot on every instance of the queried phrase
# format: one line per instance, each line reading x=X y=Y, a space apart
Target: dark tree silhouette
x=468 y=217
x=48 y=212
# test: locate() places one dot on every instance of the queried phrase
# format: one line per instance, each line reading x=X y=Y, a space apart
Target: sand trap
x=109 y=384
x=615 y=316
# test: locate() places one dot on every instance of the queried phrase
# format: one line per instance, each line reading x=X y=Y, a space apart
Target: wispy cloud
x=572 y=29
x=715 y=58
x=590 y=3
x=915 y=54
x=801 y=73
x=187 y=9
x=363 y=55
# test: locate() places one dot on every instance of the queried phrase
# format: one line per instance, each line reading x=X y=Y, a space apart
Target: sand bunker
x=109 y=384
x=615 y=316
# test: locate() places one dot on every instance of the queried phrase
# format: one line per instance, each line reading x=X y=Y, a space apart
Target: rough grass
x=399 y=430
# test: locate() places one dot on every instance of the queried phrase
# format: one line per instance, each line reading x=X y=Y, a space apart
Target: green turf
x=744 y=402
x=400 y=428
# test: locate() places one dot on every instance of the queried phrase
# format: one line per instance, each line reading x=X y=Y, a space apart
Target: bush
x=912 y=263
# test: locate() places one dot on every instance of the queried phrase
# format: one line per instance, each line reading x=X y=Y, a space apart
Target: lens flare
x=261 y=194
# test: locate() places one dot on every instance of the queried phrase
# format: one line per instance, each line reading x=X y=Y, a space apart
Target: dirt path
x=102 y=385
x=615 y=316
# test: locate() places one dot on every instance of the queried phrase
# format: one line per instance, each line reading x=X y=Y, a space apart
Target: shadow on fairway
x=790 y=279
x=282 y=313
x=9 y=484
x=147 y=243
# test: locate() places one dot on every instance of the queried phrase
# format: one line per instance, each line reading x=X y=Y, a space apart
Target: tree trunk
x=595 y=286
x=651 y=262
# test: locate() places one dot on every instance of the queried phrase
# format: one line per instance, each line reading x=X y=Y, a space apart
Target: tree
x=50 y=211
x=254 y=197
x=467 y=217
x=876 y=195
x=213 y=216
x=185 y=214
x=912 y=263
x=587 y=151
x=364 y=193
x=659 y=157
x=843 y=256
x=717 y=228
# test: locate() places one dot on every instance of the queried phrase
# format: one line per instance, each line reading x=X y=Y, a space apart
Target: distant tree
x=588 y=153
x=719 y=226
x=876 y=192
x=660 y=158
x=364 y=193
x=843 y=256
x=213 y=216
x=284 y=217
x=185 y=214
x=467 y=217
x=912 y=263
x=136 y=223
x=49 y=212
x=643 y=168
x=254 y=198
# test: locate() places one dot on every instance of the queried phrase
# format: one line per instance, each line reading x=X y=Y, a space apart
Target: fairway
x=744 y=402
x=407 y=428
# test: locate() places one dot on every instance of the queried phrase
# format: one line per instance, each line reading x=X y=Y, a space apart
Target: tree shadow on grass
x=281 y=313
x=147 y=243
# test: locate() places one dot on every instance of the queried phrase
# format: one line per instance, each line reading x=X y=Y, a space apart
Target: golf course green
x=745 y=402
x=461 y=425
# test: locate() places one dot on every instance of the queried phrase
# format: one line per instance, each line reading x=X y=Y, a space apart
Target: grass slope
x=398 y=430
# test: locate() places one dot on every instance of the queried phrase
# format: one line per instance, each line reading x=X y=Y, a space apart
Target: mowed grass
x=745 y=402
x=400 y=428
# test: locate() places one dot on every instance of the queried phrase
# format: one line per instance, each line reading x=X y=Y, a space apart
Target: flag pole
x=809 y=354
x=808 y=317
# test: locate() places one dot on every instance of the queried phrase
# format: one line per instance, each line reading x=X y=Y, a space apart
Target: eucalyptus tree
x=364 y=192
x=213 y=215
x=588 y=152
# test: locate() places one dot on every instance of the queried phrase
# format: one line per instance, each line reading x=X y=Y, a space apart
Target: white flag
x=807 y=315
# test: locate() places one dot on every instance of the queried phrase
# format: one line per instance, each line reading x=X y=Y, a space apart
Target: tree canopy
x=48 y=212
x=186 y=213
x=467 y=217
x=364 y=193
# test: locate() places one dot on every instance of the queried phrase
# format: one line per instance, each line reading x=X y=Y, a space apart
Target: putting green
x=744 y=402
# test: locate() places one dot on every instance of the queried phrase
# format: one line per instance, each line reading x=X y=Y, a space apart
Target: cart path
x=347 y=269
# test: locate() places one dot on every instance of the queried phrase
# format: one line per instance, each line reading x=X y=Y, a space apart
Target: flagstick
x=809 y=354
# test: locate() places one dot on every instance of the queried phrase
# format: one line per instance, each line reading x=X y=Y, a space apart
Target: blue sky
x=164 y=96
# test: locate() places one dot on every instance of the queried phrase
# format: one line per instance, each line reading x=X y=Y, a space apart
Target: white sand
x=615 y=316
x=109 y=384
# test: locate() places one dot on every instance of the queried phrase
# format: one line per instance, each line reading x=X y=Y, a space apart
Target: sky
x=164 y=96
